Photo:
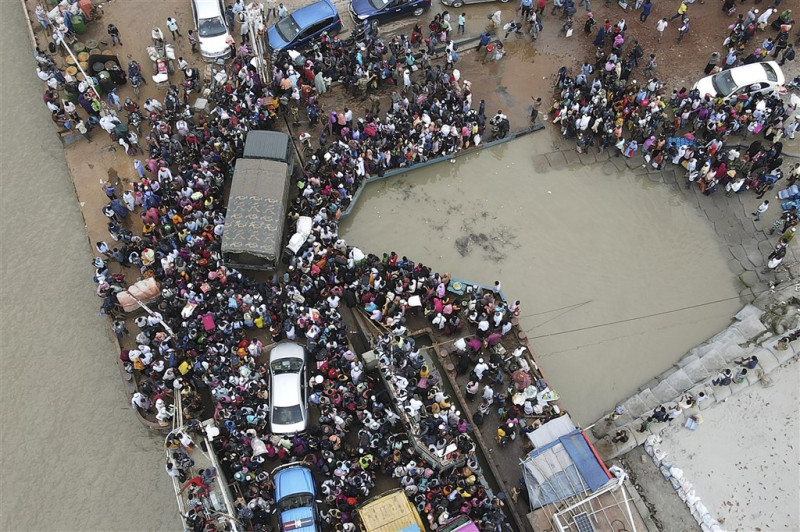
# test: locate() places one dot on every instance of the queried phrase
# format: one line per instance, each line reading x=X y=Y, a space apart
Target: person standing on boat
x=208 y=475
x=480 y=369
x=175 y=472
x=140 y=400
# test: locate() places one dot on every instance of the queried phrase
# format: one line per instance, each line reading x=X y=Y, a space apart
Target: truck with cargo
x=257 y=202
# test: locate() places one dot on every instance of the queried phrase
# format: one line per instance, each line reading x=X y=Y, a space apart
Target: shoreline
x=354 y=201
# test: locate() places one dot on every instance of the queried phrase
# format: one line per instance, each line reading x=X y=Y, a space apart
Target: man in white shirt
x=140 y=400
x=480 y=369
x=660 y=27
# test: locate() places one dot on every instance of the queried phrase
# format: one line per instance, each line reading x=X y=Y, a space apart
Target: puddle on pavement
x=579 y=247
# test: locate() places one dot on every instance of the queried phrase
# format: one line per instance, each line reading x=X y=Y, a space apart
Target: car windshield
x=287 y=415
x=723 y=83
x=211 y=27
x=286 y=365
x=379 y=4
x=288 y=28
x=298 y=500
x=771 y=74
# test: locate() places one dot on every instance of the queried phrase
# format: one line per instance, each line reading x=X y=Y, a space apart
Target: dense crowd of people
x=604 y=108
x=202 y=336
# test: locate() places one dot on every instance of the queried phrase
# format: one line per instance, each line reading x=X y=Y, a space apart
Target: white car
x=287 y=368
x=765 y=78
x=212 y=31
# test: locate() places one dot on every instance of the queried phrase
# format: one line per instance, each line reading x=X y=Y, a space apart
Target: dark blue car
x=300 y=28
x=385 y=10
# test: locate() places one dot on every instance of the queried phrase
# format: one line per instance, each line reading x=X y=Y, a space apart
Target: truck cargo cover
x=255 y=217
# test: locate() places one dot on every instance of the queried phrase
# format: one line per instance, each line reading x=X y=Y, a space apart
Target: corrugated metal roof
x=272 y=145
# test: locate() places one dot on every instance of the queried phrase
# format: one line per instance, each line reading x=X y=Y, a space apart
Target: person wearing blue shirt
x=485 y=39
x=646 y=8
x=526 y=7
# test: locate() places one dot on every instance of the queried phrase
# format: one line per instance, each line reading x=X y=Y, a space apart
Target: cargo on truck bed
x=256 y=212
x=390 y=512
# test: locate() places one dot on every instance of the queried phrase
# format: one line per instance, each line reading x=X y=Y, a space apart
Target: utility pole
x=254 y=14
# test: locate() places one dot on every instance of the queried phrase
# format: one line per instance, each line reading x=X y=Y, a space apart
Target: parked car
x=459 y=3
x=212 y=32
x=764 y=78
x=287 y=368
x=299 y=29
x=384 y=10
x=295 y=495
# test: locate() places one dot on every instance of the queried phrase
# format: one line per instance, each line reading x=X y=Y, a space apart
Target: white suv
x=212 y=32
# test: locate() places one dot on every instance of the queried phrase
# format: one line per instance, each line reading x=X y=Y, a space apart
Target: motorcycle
x=134 y=120
x=135 y=76
x=189 y=83
x=794 y=84
x=366 y=31
x=500 y=126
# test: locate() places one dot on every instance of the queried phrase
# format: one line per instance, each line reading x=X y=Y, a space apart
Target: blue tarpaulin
x=561 y=469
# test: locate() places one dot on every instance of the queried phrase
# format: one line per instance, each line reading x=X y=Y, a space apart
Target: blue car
x=296 y=498
x=385 y=10
x=299 y=29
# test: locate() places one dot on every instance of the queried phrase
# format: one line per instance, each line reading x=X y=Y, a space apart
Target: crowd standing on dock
x=603 y=107
x=170 y=223
x=204 y=330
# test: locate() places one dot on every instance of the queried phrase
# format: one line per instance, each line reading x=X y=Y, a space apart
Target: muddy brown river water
x=73 y=455
x=589 y=255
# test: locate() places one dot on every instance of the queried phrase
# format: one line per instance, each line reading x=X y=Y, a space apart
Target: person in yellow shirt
x=681 y=11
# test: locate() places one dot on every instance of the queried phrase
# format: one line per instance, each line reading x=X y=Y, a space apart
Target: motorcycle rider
x=130 y=106
x=500 y=125
x=135 y=71
x=191 y=76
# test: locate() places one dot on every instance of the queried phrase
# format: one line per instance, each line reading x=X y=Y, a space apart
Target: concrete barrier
x=746 y=337
x=445 y=158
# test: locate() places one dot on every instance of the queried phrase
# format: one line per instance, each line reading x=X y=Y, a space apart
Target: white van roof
x=207 y=8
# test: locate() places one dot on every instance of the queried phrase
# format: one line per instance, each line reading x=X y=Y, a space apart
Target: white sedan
x=287 y=367
x=756 y=78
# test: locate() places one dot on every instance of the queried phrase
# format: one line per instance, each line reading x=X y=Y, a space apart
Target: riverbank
x=85 y=169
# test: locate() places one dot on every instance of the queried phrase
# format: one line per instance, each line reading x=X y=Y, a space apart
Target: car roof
x=753 y=73
x=287 y=350
x=289 y=386
x=307 y=15
x=295 y=479
x=207 y=8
